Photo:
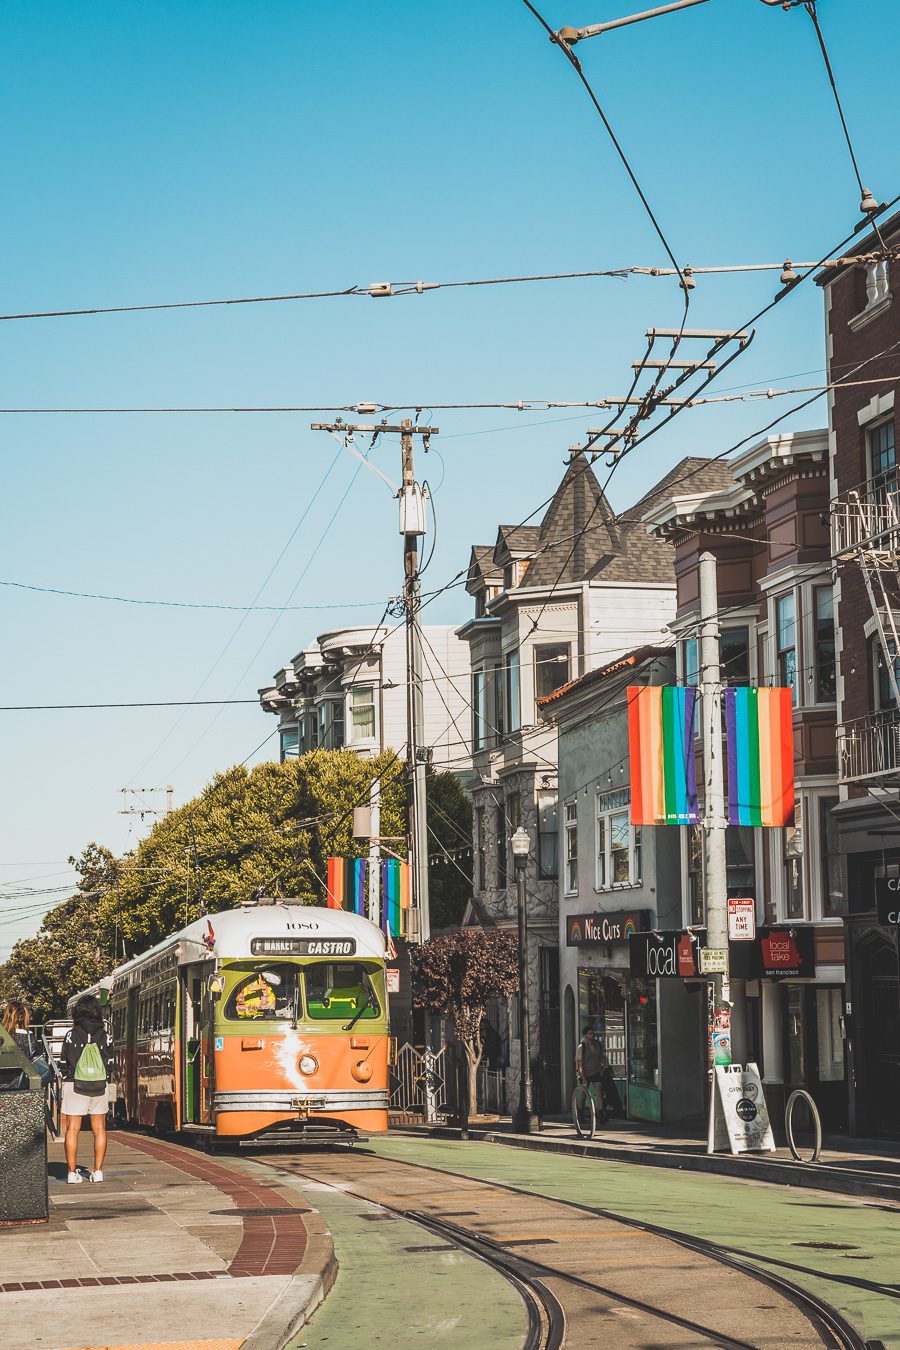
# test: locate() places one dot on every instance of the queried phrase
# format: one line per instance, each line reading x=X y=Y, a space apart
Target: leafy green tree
x=266 y=830
x=458 y=975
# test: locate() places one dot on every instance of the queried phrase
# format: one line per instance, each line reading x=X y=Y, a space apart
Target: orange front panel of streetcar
x=301 y=1043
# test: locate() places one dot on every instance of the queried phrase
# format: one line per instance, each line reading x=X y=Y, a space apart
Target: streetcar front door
x=192 y=1039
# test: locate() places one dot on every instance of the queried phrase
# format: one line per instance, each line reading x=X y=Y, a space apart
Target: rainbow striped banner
x=760 y=725
x=347 y=884
x=394 y=896
x=661 y=751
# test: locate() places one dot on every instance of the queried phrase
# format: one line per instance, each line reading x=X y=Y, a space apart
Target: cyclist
x=590 y=1064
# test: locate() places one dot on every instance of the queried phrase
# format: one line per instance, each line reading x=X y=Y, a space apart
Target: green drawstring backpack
x=90 y=1071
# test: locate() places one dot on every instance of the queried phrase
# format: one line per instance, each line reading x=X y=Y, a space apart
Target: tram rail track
x=546 y=1314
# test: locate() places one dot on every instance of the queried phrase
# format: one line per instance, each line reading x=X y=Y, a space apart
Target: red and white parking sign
x=741 y=919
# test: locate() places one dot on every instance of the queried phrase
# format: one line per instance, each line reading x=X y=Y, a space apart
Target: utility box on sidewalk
x=23 y=1137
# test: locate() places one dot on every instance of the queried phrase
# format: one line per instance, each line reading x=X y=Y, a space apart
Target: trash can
x=23 y=1137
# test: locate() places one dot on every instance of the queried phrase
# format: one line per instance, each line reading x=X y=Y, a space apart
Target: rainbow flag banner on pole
x=661 y=751
x=394 y=896
x=760 y=725
x=347 y=884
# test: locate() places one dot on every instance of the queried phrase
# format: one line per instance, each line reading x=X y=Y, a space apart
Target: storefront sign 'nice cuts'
x=583 y=929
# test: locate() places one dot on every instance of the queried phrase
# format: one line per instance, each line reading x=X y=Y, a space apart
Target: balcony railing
x=869 y=747
x=867 y=516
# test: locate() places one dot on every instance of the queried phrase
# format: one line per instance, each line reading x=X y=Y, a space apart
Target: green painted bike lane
x=765 y=1220
x=387 y=1295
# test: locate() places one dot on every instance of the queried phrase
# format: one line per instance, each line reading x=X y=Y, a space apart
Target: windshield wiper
x=366 y=1003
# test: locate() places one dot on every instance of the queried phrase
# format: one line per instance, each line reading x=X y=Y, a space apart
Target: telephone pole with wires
x=413 y=524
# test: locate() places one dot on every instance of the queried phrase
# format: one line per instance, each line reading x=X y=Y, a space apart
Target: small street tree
x=458 y=975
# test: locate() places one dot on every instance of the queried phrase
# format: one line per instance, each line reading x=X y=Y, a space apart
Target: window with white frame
x=290 y=742
x=734 y=655
x=551 y=668
x=618 y=842
x=793 y=866
x=786 y=642
x=823 y=641
x=479 y=709
x=362 y=713
x=571 y=847
x=882 y=448
x=513 y=691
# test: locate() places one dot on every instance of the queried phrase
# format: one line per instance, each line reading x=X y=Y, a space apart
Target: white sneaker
x=75 y=1179
x=95 y=1176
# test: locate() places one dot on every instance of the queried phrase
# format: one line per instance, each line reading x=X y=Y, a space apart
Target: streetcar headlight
x=307 y=1064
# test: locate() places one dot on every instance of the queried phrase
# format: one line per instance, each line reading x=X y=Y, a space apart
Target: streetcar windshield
x=340 y=990
x=265 y=994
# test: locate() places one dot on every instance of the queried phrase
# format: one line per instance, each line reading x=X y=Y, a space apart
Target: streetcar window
x=272 y=992
x=340 y=989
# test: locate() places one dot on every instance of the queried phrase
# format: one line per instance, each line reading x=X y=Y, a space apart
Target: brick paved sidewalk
x=173 y=1249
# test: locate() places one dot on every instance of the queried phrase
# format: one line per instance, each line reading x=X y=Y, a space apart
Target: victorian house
x=552 y=601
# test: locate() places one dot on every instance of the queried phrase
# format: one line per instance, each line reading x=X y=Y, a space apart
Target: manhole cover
x=828 y=1246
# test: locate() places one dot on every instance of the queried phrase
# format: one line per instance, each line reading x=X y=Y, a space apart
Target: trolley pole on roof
x=413 y=513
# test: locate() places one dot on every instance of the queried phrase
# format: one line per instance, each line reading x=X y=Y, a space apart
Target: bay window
x=362 y=713
x=786 y=640
x=823 y=637
x=571 y=848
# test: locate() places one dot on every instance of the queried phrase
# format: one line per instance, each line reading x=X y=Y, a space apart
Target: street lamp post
x=525 y=1119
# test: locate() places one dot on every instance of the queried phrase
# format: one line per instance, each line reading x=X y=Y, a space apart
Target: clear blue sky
x=173 y=152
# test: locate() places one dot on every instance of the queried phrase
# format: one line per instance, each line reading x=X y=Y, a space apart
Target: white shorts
x=79 y=1104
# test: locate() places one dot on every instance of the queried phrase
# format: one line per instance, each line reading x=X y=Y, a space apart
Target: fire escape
x=865 y=531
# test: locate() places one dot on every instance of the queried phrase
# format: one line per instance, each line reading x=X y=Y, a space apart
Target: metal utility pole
x=714 y=815
x=525 y=1118
x=412 y=524
x=375 y=852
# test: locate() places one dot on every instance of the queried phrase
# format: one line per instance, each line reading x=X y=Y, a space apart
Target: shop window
x=643 y=1038
x=501 y=845
x=618 y=842
x=834 y=901
x=795 y=1027
x=829 y=1041
x=548 y=836
x=786 y=638
x=823 y=617
x=551 y=669
x=513 y=692
x=793 y=867
x=571 y=850
x=601 y=1005
x=362 y=713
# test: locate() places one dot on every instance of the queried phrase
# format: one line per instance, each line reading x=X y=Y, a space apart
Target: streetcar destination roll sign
x=288 y=946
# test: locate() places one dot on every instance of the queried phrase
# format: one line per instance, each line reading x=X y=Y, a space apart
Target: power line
x=395 y=289
x=187 y=604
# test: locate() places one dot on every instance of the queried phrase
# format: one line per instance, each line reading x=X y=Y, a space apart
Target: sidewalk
x=232 y=1262
x=864 y=1168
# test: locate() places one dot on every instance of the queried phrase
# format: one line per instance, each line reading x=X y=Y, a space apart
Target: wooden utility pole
x=413 y=508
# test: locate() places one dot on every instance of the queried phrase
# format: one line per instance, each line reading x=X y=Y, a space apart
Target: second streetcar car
x=264 y=1019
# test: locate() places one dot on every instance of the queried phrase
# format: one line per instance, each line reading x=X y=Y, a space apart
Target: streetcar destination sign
x=285 y=946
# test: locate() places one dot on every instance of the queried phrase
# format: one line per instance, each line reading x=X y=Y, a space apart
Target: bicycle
x=586 y=1110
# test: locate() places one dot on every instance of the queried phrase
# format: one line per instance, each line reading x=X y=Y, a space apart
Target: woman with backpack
x=86 y=1064
x=17 y=1022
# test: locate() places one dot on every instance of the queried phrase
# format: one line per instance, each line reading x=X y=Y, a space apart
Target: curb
x=809 y=1176
x=308 y=1288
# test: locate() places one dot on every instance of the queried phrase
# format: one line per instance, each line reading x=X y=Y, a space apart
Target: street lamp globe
x=521 y=846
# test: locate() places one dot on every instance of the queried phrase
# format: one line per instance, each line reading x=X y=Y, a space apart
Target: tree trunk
x=474 y=1050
